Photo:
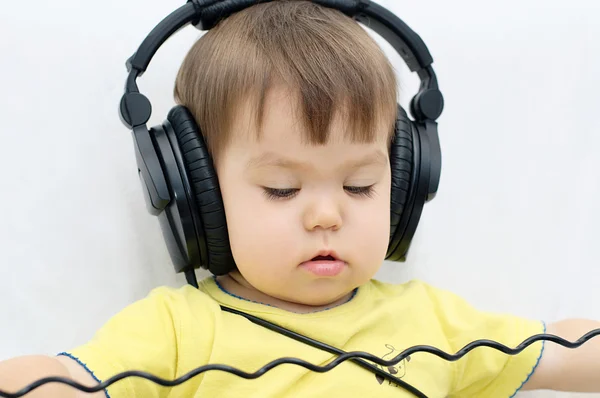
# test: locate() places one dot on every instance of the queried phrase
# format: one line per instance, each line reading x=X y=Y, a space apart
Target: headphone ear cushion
x=206 y=195
x=401 y=164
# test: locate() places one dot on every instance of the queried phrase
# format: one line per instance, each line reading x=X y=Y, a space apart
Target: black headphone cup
x=405 y=159
x=176 y=220
x=417 y=200
x=207 y=210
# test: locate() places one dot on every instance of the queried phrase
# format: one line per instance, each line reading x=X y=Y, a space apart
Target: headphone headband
x=205 y=14
x=212 y=11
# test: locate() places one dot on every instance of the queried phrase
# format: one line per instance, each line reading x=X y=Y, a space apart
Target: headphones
x=178 y=179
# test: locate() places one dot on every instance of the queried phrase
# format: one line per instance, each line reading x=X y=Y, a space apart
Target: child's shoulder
x=179 y=295
x=171 y=303
x=419 y=299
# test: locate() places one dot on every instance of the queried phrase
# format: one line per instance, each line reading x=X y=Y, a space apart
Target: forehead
x=281 y=141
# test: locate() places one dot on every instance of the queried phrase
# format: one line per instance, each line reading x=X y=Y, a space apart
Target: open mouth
x=323 y=258
x=326 y=264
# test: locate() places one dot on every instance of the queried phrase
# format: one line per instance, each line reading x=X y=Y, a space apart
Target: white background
x=515 y=226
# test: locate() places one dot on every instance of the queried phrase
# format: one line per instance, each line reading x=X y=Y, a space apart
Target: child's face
x=313 y=210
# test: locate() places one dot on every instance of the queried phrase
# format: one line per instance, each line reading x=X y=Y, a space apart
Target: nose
x=324 y=213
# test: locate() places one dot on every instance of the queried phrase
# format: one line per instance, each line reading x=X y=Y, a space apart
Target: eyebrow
x=271 y=159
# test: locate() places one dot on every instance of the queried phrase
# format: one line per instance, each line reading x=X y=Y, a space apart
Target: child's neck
x=236 y=284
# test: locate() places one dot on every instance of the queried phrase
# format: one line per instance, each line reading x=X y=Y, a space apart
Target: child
x=297 y=106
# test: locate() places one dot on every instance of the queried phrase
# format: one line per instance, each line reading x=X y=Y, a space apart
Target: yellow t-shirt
x=175 y=330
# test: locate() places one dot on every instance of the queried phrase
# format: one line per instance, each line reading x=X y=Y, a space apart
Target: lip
x=324 y=267
x=326 y=253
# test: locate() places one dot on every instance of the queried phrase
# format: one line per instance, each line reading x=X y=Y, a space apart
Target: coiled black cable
x=320 y=369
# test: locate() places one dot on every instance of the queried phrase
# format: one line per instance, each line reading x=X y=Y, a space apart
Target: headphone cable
x=295 y=361
x=325 y=347
x=191 y=279
x=355 y=356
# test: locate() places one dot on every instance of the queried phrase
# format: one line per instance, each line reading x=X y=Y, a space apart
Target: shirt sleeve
x=144 y=336
x=484 y=371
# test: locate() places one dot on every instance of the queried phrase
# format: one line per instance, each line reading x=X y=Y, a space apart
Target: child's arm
x=565 y=369
x=19 y=372
x=145 y=336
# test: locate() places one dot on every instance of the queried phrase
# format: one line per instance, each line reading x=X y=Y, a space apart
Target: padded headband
x=205 y=14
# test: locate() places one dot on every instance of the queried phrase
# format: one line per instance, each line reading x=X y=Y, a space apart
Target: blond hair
x=323 y=56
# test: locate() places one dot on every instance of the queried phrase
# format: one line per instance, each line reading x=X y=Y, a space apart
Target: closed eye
x=361 y=191
x=280 y=193
x=287 y=193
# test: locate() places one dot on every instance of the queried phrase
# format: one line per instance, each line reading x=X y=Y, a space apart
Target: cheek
x=372 y=220
x=383 y=214
x=258 y=229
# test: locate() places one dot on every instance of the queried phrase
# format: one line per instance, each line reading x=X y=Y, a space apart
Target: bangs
x=329 y=63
